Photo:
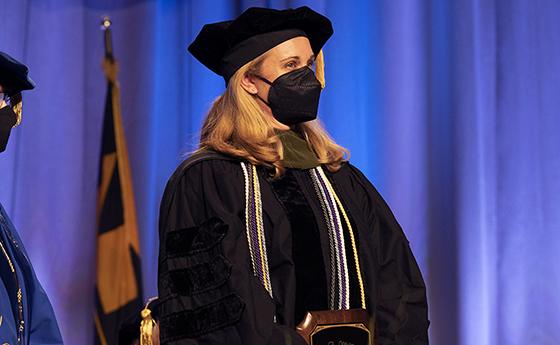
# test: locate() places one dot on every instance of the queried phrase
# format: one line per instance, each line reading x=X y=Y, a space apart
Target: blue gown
x=40 y=326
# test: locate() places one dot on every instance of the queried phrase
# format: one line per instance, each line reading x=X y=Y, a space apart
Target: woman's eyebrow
x=295 y=57
x=291 y=57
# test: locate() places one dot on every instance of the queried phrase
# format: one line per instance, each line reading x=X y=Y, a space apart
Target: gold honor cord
x=333 y=223
x=260 y=228
x=254 y=226
x=7 y=258
x=247 y=223
x=330 y=196
x=352 y=240
x=332 y=255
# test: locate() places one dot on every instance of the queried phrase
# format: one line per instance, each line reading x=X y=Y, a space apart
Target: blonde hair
x=237 y=126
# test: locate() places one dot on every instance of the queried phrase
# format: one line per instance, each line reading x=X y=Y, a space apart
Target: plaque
x=337 y=327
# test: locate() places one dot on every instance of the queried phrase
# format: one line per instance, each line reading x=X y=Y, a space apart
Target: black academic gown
x=207 y=289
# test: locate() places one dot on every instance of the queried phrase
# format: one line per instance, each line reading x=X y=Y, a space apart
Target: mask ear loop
x=266 y=81
x=265 y=102
x=263 y=79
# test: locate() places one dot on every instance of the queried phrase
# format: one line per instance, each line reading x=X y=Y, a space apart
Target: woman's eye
x=291 y=64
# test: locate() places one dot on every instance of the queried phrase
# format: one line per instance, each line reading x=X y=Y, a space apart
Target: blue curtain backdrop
x=451 y=108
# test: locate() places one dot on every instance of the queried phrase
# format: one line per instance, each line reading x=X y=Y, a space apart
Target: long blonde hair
x=236 y=125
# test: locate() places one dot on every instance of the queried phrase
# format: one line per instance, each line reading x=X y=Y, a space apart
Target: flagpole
x=110 y=66
x=107 y=38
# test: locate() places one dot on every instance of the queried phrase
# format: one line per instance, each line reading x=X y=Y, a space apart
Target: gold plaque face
x=341 y=334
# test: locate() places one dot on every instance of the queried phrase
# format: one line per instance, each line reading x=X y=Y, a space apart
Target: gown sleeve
x=206 y=286
x=44 y=328
x=401 y=310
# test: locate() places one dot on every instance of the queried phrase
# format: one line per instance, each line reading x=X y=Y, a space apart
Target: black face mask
x=8 y=119
x=294 y=97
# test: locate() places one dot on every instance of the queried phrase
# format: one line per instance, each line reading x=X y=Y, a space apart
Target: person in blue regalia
x=26 y=315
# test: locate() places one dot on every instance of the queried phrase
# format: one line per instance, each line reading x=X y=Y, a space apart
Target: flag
x=118 y=289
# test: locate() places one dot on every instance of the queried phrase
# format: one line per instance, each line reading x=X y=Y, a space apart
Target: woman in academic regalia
x=268 y=220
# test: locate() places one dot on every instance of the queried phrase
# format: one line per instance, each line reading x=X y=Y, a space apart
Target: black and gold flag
x=118 y=290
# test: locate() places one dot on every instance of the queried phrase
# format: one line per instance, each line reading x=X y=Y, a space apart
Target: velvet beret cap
x=226 y=46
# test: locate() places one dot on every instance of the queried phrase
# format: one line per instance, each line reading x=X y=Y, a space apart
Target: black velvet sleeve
x=206 y=286
x=401 y=310
x=193 y=272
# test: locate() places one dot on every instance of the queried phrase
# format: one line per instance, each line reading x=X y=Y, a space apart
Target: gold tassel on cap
x=147 y=324
x=320 y=68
